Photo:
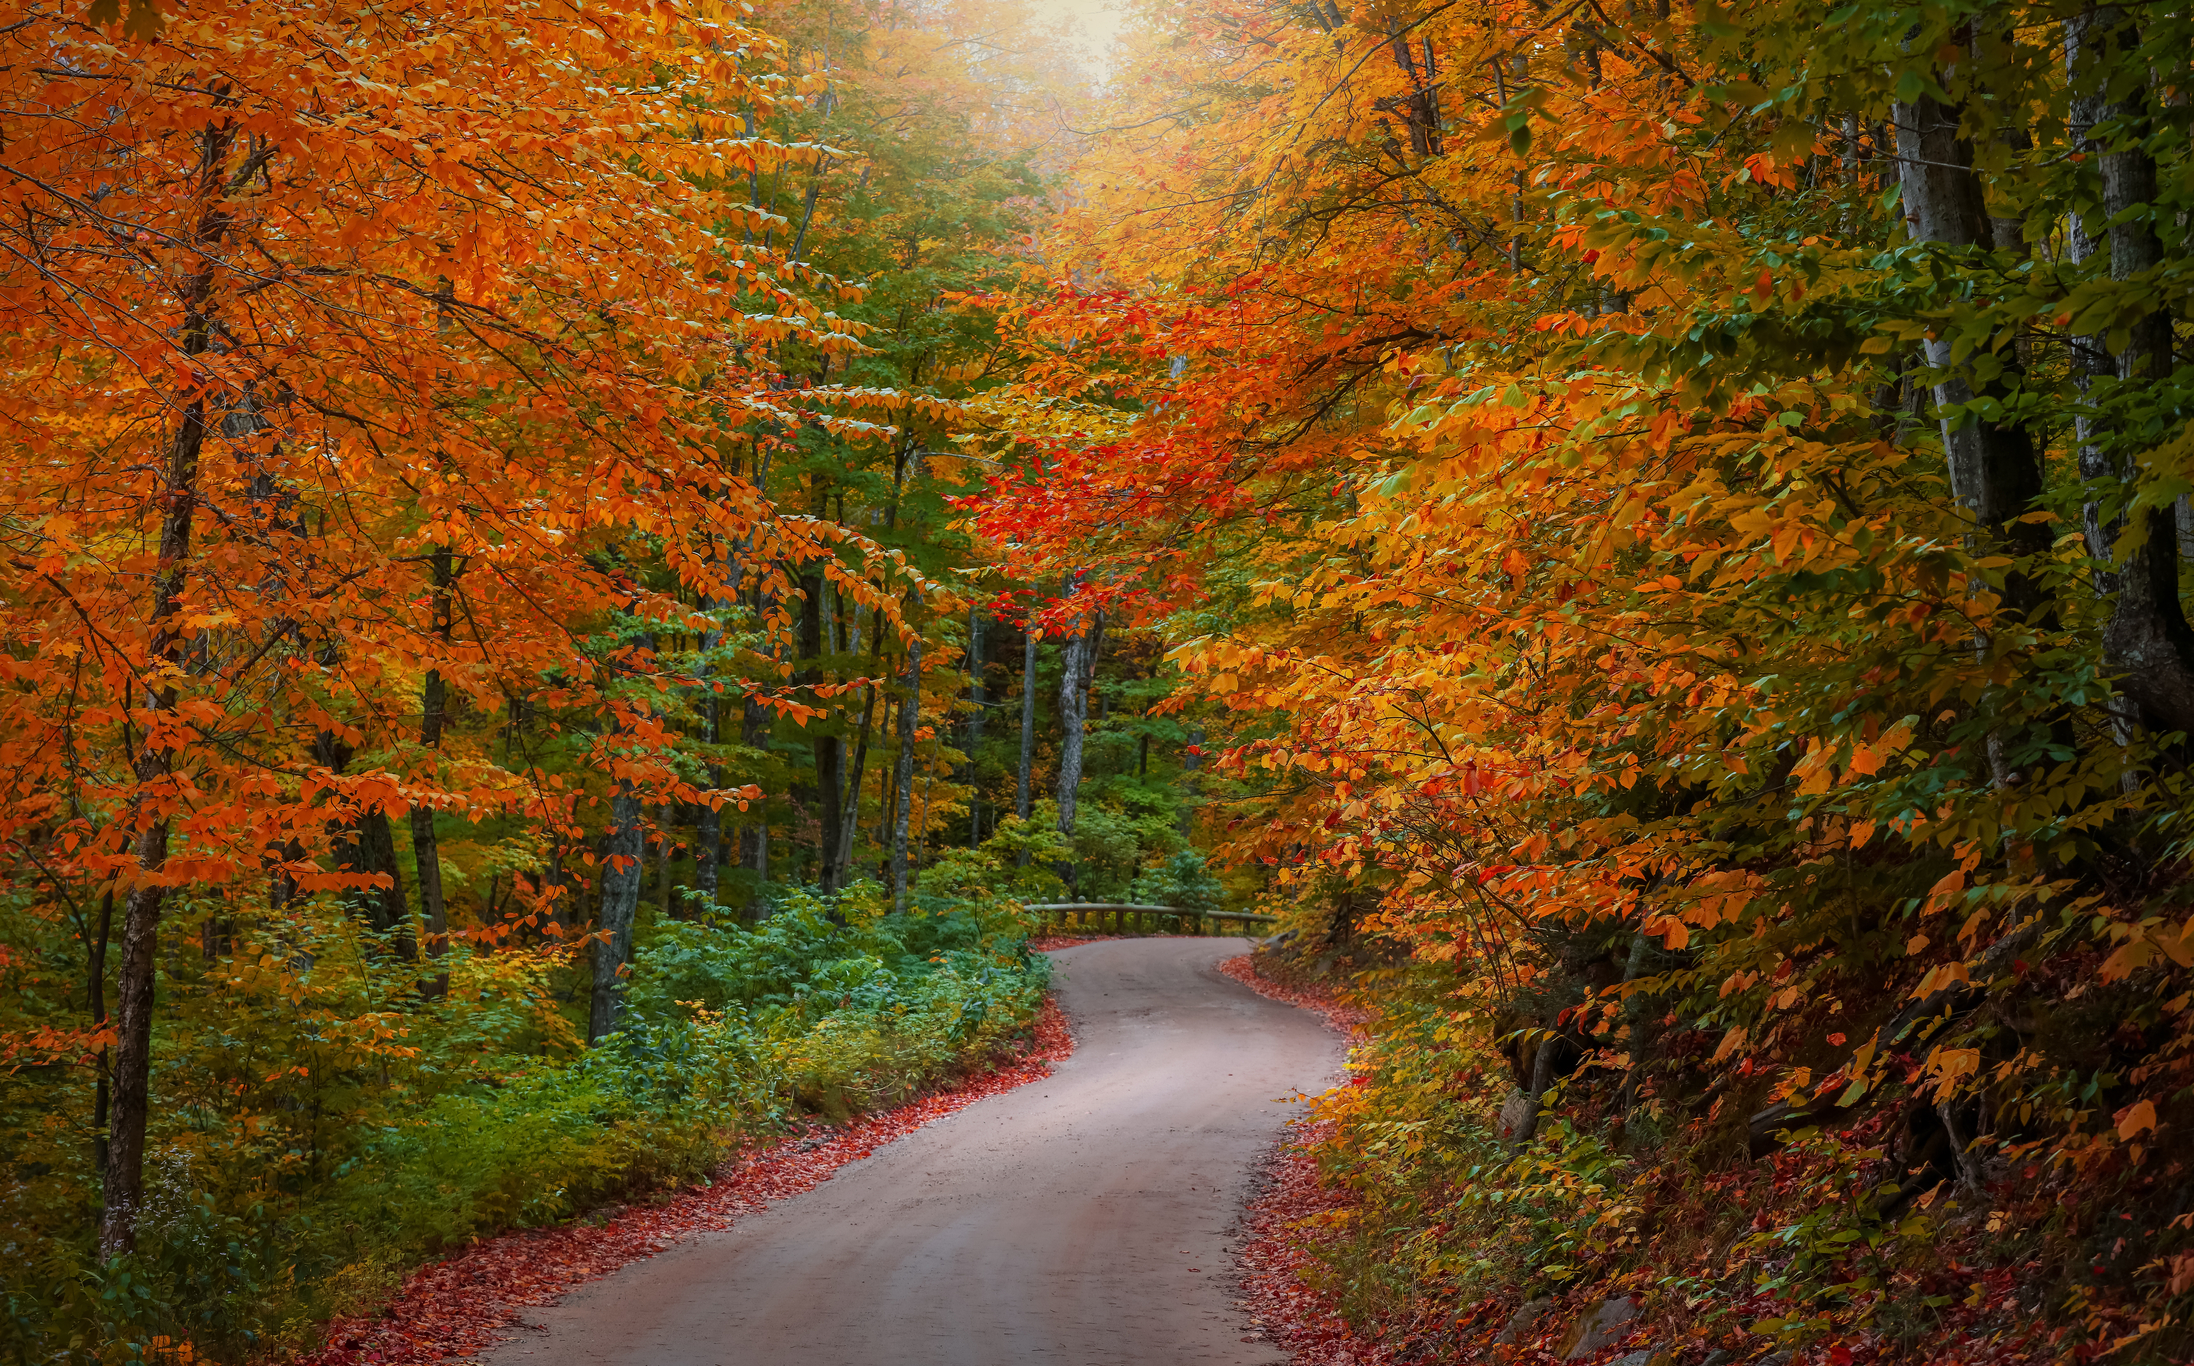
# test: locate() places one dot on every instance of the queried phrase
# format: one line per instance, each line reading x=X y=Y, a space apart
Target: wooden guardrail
x=1132 y=919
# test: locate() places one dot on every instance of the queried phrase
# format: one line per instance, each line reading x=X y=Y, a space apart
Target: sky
x=1097 y=21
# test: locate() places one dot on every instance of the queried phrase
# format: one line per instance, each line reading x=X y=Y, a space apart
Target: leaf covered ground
x=465 y=1303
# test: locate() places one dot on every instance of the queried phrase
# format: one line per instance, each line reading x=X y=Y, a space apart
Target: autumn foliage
x=1682 y=506
x=461 y=466
x=1672 y=519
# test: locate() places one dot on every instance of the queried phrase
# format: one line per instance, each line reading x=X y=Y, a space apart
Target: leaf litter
x=1287 y=1207
x=463 y=1303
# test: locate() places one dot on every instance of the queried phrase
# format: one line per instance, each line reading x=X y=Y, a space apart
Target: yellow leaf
x=2134 y=1118
x=1949 y=1064
x=2177 y=944
x=2129 y=959
x=1730 y=1043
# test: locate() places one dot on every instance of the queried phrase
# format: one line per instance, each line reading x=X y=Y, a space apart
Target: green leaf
x=144 y=22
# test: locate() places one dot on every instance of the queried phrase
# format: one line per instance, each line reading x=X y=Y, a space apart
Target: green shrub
x=338 y=1140
x=1182 y=882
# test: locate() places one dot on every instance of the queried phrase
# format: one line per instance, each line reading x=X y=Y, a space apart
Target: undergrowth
x=323 y=1158
x=1452 y=1222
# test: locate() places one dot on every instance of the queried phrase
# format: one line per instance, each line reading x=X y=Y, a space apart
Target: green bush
x=1182 y=882
x=336 y=1153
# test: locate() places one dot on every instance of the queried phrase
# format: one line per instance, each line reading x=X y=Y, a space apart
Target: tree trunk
x=1024 y=790
x=1542 y=1077
x=2090 y=356
x=884 y=800
x=708 y=822
x=2147 y=641
x=826 y=748
x=910 y=715
x=125 y=1167
x=1074 y=676
x=1073 y=716
x=1995 y=469
x=624 y=852
x=425 y=848
x=754 y=834
x=1995 y=465
x=849 y=825
x=829 y=773
x=1634 y=1024
x=95 y=994
x=666 y=888
x=386 y=908
x=1191 y=759
x=974 y=722
x=708 y=830
x=366 y=844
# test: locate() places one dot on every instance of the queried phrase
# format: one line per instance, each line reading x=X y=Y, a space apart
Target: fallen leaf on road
x=463 y=1303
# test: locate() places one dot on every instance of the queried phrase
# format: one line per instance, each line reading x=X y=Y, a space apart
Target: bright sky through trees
x=570 y=568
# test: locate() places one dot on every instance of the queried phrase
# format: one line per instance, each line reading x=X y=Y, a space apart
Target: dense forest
x=571 y=569
x=500 y=706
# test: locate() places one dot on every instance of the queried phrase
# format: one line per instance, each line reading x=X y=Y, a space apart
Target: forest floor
x=468 y=1301
x=1089 y=1220
x=1285 y=1212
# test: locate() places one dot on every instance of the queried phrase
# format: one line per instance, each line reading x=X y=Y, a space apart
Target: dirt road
x=1079 y=1221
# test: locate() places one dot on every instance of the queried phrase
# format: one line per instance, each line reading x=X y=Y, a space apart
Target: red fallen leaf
x=1282 y=1221
x=1343 y=1017
x=1048 y=942
x=458 y=1306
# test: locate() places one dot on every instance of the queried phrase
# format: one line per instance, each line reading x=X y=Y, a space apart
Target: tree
x=1617 y=472
x=283 y=345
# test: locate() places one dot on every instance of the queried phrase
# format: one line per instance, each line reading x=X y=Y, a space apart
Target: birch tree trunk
x=1074 y=675
x=1073 y=715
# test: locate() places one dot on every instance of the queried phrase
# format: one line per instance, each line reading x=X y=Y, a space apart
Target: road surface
x=1084 y=1220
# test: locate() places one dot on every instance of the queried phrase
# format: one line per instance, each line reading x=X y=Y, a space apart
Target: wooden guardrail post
x=1128 y=918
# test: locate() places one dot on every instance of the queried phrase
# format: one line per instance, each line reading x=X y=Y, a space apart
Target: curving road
x=1082 y=1221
